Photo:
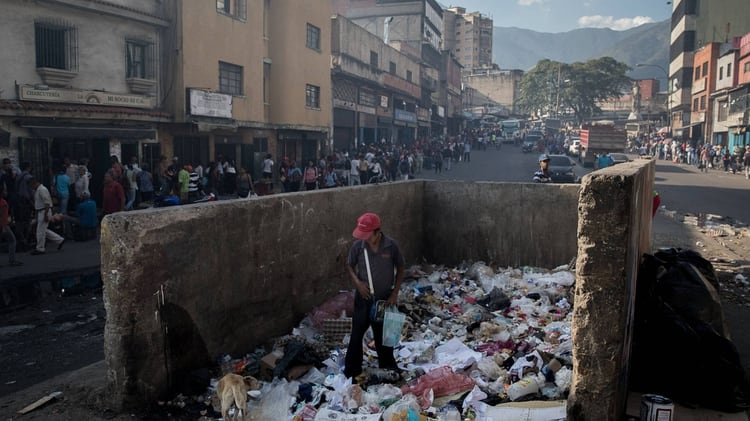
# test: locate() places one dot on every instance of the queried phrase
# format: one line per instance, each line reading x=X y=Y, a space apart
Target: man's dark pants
x=360 y=323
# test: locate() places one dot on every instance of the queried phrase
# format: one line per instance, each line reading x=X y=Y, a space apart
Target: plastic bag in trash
x=406 y=408
x=393 y=323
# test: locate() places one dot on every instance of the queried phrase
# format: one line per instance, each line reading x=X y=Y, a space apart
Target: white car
x=575 y=147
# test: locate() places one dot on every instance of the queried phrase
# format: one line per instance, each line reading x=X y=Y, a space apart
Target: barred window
x=313 y=37
x=234 y=8
x=140 y=60
x=230 y=78
x=312 y=96
x=56 y=43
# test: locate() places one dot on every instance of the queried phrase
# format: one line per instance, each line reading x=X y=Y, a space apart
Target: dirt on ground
x=56 y=344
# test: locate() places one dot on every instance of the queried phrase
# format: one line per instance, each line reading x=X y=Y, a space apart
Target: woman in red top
x=114 y=196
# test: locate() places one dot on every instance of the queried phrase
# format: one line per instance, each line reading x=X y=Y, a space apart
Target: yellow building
x=247 y=78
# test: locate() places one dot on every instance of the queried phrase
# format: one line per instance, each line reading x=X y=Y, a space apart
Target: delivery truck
x=600 y=139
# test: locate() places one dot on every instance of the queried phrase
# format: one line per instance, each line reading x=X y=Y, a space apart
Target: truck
x=600 y=139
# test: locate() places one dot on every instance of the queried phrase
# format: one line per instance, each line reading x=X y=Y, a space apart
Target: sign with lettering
x=75 y=96
x=210 y=104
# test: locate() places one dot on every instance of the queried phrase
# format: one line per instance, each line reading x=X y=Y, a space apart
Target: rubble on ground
x=474 y=338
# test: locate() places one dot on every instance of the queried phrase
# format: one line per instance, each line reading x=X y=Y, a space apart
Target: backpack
x=296 y=175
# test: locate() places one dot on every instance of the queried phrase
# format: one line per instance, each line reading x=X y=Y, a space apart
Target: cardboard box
x=268 y=363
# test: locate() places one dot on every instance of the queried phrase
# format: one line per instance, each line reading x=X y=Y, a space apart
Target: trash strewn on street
x=473 y=338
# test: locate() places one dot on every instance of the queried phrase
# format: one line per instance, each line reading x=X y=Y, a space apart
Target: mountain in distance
x=516 y=48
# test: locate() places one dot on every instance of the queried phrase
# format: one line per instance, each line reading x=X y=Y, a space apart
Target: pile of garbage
x=474 y=339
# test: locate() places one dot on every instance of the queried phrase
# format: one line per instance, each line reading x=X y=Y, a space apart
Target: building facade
x=414 y=27
x=502 y=87
x=468 y=36
x=375 y=89
x=81 y=80
x=695 y=24
x=704 y=84
x=238 y=89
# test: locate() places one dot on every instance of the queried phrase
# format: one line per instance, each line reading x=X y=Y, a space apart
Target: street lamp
x=669 y=91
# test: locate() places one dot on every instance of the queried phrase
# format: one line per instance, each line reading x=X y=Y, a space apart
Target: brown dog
x=232 y=388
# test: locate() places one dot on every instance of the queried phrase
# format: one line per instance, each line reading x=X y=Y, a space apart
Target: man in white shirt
x=354 y=172
x=43 y=211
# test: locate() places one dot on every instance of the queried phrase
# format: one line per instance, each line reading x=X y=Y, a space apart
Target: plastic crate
x=334 y=330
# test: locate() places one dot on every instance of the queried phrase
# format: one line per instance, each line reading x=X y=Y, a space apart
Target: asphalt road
x=507 y=164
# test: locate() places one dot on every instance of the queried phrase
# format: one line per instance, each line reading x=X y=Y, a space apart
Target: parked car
x=561 y=169
x=618 y=158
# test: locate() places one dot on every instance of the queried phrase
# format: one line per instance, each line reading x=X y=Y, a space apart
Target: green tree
x=551 y=86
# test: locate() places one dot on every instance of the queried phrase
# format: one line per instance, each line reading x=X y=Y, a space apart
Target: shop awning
x=89 y=131
x=690 y=125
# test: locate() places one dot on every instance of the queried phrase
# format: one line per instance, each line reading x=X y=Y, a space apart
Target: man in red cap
x=376 y=268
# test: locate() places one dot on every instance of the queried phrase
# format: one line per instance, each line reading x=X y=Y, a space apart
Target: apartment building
x=739 y=98
x=704 y=84
x=414 y=27
x=726 y=77
x=468 y=36
x=375 y=89
x=695 y=24
x=81 y=80
x=501 y=87
x=248 y=78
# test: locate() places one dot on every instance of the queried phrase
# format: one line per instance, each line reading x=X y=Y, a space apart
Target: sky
x=565 y=15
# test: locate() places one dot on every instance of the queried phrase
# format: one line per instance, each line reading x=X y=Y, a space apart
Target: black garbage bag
x=680 y=346
x=495 y=300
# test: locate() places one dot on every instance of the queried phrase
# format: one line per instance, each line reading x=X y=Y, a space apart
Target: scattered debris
x=52 y=396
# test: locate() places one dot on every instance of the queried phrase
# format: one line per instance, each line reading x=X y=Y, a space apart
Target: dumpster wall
x=184 y=285
x=504 y=224
x=614 y=230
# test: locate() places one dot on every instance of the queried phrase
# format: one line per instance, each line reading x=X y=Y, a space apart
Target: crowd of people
x=703 y=155
x=29 y=210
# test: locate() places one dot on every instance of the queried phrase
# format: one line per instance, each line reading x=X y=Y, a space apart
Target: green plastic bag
x=393 y=323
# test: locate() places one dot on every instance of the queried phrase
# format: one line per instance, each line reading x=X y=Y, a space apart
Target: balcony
x=140 y=86
x=429 y=83
x=56 y=77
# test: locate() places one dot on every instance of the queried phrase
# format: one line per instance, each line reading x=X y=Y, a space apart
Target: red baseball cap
x=366 y=224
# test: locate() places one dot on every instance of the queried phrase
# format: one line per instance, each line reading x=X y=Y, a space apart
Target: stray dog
x=232 y=388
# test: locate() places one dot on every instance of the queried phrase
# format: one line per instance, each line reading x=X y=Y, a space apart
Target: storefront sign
x=340 y=103
x=365 y=109
x=405 y=116
x=210 y=104
x=384 y=101
x=74 y=96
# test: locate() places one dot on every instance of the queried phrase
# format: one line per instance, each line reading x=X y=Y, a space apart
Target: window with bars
x=56 y=43
x=312 y=96
x=230 y=78
x=703 y=102
x=392 y=68
x=723 y=111
x=140 y=59
x=374 y=62
x=313 y=37
x=234 y=8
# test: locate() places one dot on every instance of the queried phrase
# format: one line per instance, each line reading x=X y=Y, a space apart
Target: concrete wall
x=614 y=230
x=185 y=285
x=506 y=224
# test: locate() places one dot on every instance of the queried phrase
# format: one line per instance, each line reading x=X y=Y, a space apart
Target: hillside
x=516 y=48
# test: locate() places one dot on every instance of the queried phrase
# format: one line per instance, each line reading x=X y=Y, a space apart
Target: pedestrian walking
x=43 y=208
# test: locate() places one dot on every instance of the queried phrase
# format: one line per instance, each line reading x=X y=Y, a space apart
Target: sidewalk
x=20 y=284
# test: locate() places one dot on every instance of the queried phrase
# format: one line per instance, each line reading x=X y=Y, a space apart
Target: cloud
x=529 y=2
x=621 y=24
